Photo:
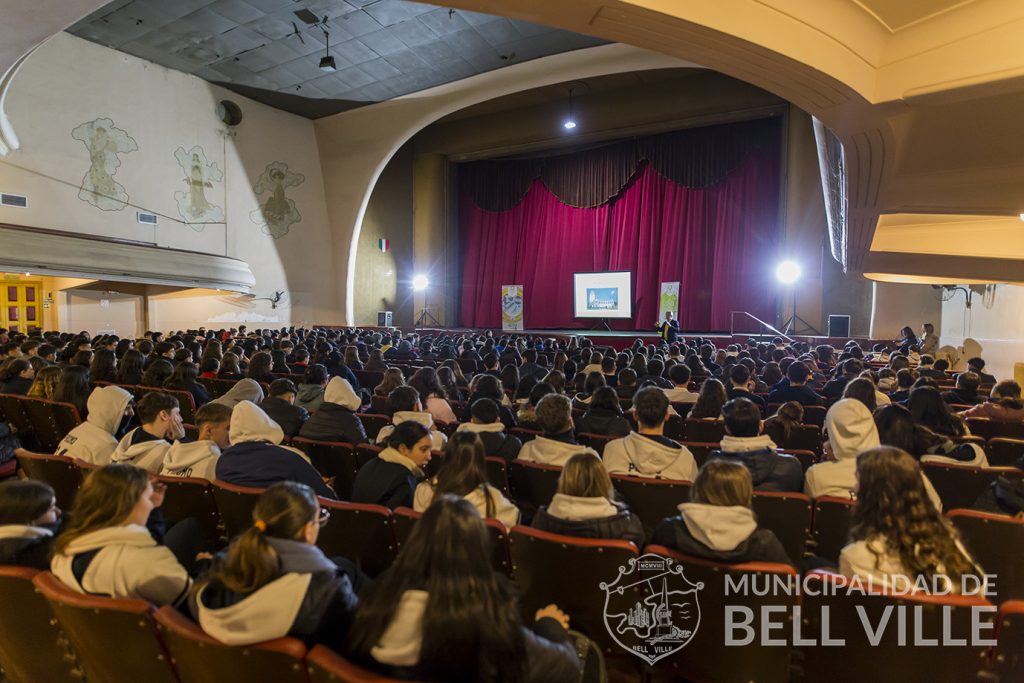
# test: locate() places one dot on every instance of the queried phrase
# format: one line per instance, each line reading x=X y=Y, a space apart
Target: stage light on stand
x=788 y=272
x=420 y=282
x=425 y=319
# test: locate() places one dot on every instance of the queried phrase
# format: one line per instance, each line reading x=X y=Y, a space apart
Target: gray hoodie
x=192 y=459
x=244 y=390
x=639 y=455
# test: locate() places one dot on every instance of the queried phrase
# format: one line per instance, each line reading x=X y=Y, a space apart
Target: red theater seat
x=327 y=666
x=57 y=471
x=32 y=647
x=997 y=543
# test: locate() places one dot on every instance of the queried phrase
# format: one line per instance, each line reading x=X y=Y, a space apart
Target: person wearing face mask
x=29 y=518
x=146 y=446
x=114 y=545
x=391 y=478
x=199 y=458
x=95 y=440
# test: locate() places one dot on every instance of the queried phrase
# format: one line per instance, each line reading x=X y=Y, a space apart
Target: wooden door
x=22 y=306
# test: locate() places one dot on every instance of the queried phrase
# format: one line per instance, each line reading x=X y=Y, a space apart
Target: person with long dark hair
x=432 y=395
x=604 y=415
x=158 y=372
x=929 y=410
x=440 y=613
x=130 y=368
x=274 y=581
x=710 y=400
x=103 y=367
x=184 y=379
x=73 y=388
x=259 y=367
x=899 y=539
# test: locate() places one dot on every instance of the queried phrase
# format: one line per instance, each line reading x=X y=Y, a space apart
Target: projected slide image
x=602 y=298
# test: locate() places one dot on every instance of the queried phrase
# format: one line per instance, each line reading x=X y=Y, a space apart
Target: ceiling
x=900 y=14
x=383 y=48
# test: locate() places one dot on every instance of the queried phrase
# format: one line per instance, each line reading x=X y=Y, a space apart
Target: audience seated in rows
x=604 y=415
x=745 y=442
x=405 y=405
x=336 y=419
x=485 y=423
x=390 y=479
x=147 y=445
x=199 y=458
x=95 y=440
x=557 y=443
x=648 y=452
x=280 y=406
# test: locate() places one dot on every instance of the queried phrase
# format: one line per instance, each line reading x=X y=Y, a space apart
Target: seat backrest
x=595 y=441
x=186 y=404
x=788 y=515
x=652 y=500
x=369 y=378
x=525 y=434
x=191 y=497
x=831 y=526
x=959 y=485
x=57 y=471
x=996 y=543
x=541 y=560
x=32 y=647
x=365 y=452
x=235 y=505
x=14 y=413
x=706 y=657
x=497 y=473
x=93 y=624
x=202 y=659
x=804 y=438
x=332 y=459
x=701 y=450
x=815 y=415
x=373 y=423
x=991 y=429
x=899 y=649
x=51 y=420
x=1003 y=452
x=705 y=431
x=1008 y=661
x=361 y=533
x=533 y=484
x=405 y=519
x=327 y=666
x=379 y=405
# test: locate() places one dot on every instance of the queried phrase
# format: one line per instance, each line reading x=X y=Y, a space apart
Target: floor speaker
x=383 y=318
x=839 y=326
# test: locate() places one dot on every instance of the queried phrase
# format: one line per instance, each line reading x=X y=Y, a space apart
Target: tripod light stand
x=420 y=283
x=788 y=273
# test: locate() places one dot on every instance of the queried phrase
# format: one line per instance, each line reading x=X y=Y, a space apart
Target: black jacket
x=334 y=422
x=834 y=388
x=16 y=385
x=532 y=370
x=760 y=546
x=624 y=526
x=1003 y=497
x=733 y=392
x=505 y=414
x=260 y=464
x=771 y=471
x=384 y=483
x=962 y=397
x=604 y=422
x=26 y=552
x=290 y=417
x=501 y=444
x=802 y=394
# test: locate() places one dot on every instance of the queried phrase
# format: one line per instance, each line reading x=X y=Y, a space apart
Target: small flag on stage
x=383 y=245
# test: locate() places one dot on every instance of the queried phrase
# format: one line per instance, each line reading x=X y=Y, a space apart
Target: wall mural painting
x=195 y=204
x=277 y=212
x=105 y=142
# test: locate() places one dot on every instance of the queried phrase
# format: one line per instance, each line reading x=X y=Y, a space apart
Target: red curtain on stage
x=720 y=242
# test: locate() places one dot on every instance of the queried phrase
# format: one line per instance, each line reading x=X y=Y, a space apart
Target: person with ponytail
x=17 y=377
x=114 y=542
x=1004 y=404
x=464 y=473
x=899 y=539
x=274 y=581
x=440 y=613
x=783 y=424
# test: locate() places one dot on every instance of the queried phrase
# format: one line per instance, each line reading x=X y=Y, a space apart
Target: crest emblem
x=651 y=608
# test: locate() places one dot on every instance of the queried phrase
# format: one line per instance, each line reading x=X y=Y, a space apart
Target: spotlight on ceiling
x=328 y=64
x=570 y=121
x=569 y=124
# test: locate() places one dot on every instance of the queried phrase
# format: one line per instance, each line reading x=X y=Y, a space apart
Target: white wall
x=97 y=312
x=999 y=329
x=895 y=305
x=69 y=81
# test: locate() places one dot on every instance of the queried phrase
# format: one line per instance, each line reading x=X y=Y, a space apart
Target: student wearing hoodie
x=336 y=419
x=851 y=430
x=256 y=457
x=310 y=393
x=391 y=478
x=604 y=415
x=463 y=473
x=245 y=389
x=745 y=442
x=648 y=452
x=29 y=517
x=280 y=406
x=274 y=581
x=199 y=458
x=95 y=440
x=898 y=537
x=485 y=422
x=405 y=405
x=557 y=444
x=146 y=446
x=680 y=392
x=439 y=615
x=718 y=523
x=107 y=549
x=583 y=505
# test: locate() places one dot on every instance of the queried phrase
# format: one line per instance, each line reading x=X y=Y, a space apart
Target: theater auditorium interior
x=511 y=341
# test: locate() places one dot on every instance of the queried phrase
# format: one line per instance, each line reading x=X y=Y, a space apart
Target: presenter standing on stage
x=668 y=328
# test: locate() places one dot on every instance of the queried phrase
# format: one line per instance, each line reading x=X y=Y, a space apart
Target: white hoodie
x=504 y=510
x=638 y=455
x=680 y=395
x=851 y=430
x=192 y=459
x=488 y=428
x=551 y=451
x=719 y=527
x=149 y=454
x=437 y=439
x=250 y=423
x=130 y=565
x=886 y=570
x=266 y=614
x=93 y=441
x=340 y=391
x=400 y=643
x=580 y=509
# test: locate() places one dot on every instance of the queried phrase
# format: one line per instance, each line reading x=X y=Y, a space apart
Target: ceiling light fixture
x=570 y=121
x=327 y=63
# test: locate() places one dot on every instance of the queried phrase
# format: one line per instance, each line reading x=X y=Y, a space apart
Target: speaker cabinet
x=384 y=318
x=839 y=326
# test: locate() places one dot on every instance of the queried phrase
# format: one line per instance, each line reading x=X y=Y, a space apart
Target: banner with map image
x=669 y=299
x=511 y=307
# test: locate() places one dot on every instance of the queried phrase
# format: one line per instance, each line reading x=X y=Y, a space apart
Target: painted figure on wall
x=195 y=204
x=277 y=212
x=104 y=141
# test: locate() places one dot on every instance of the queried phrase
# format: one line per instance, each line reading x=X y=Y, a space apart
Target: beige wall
x=896 y=305
x=997 y=325
x=104 y=312
x=73 y=81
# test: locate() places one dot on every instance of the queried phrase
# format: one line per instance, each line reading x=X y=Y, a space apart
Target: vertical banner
x=511 y=307
x=669 y=300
